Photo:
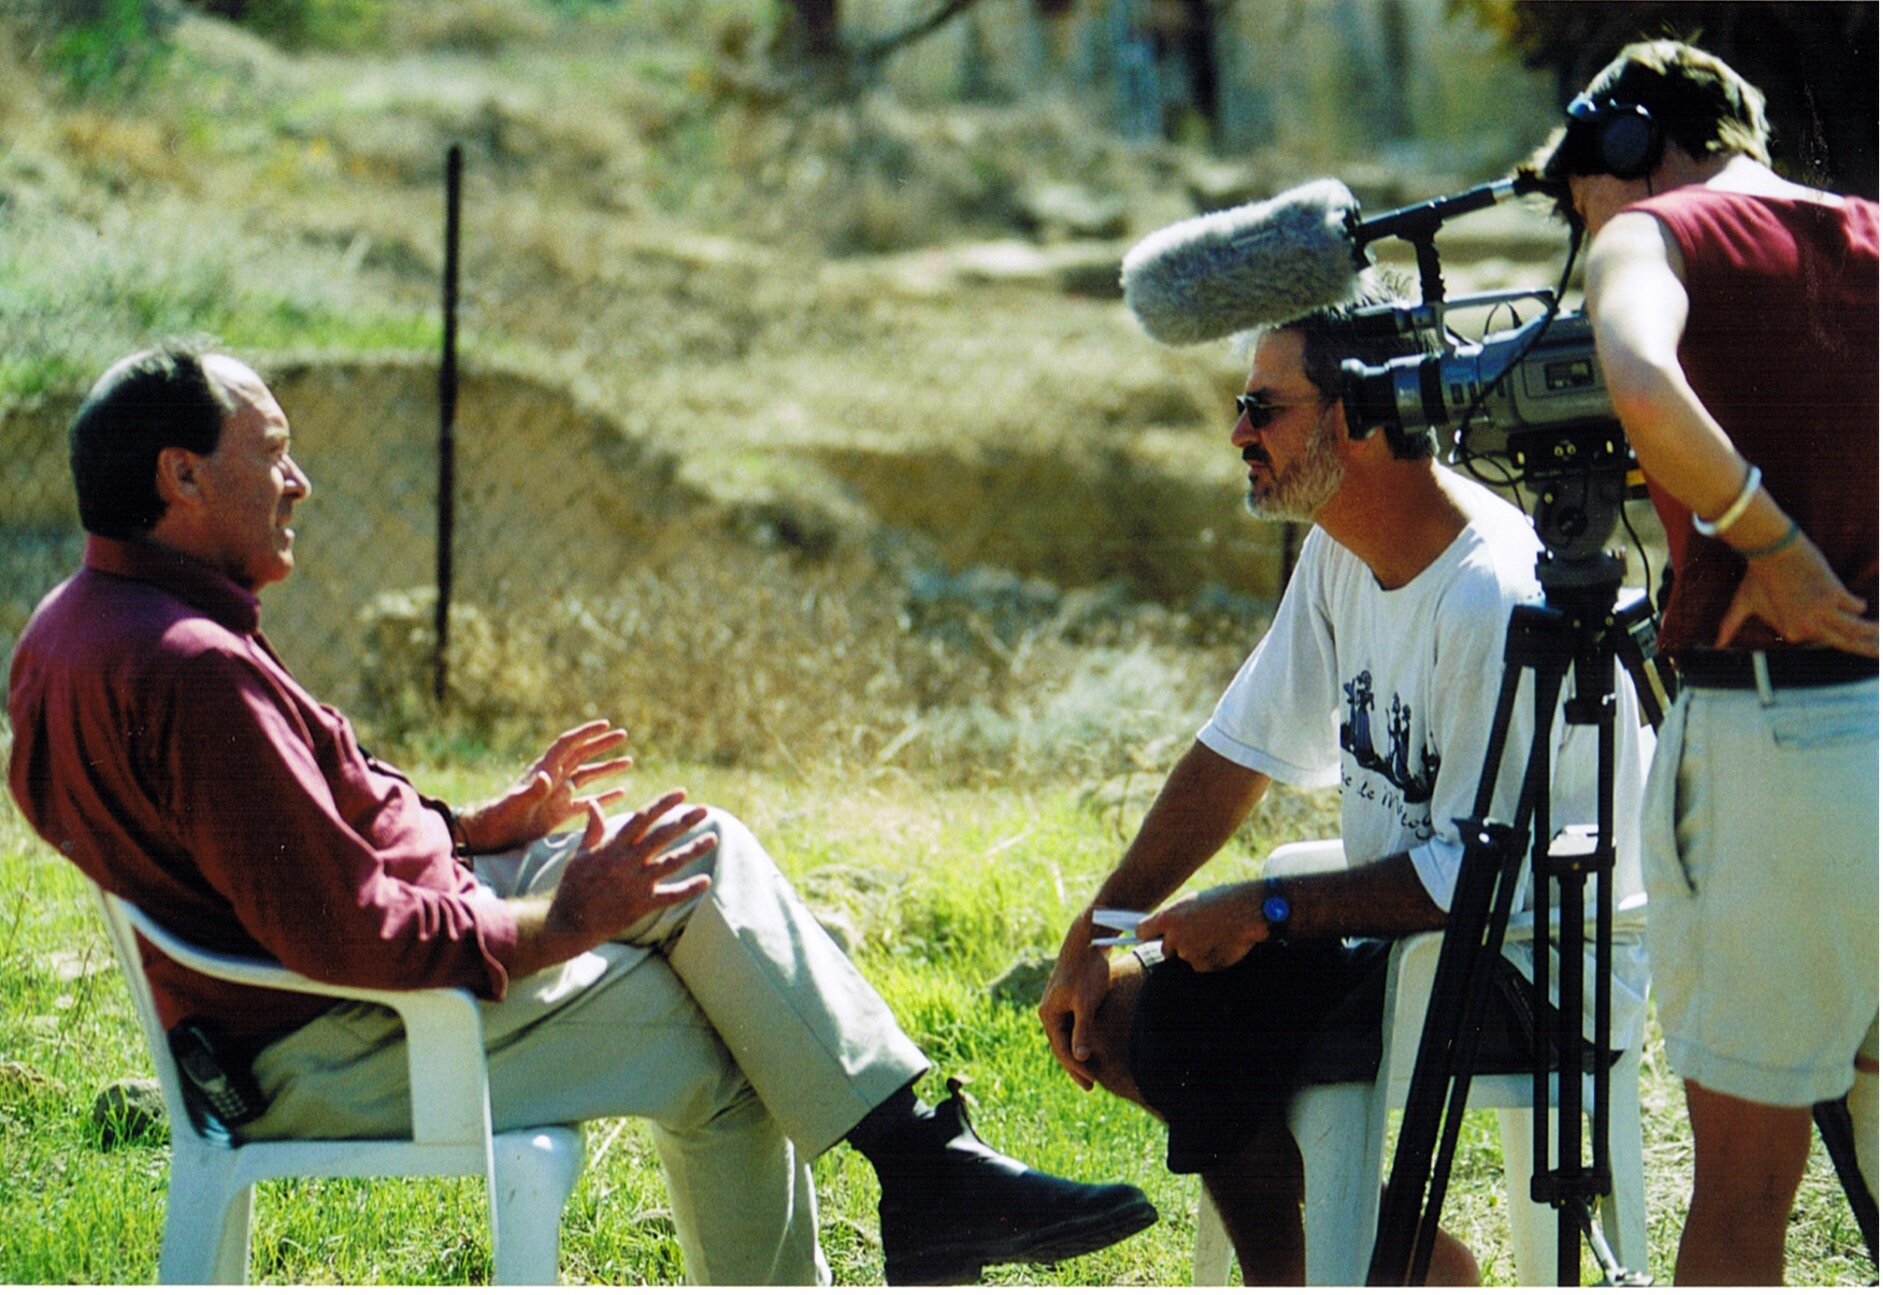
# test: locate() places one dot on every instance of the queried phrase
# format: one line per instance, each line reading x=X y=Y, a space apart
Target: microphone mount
x=1419 y=224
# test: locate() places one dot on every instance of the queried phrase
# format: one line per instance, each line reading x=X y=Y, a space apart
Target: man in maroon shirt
x=1735 y=316
x=657 y=965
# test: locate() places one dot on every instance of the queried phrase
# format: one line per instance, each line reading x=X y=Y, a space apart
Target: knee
x=1111 y=1035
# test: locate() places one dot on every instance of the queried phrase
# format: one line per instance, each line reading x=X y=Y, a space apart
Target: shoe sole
x=1047 y=1245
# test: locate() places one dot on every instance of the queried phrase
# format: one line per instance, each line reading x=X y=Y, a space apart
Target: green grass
x=945 y=887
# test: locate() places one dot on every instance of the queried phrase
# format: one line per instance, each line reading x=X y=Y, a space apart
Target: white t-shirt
x=1390 y=694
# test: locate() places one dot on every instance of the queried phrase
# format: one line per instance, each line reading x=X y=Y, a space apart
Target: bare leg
x=1452 y=1264
x=1748 y=1159
x=1259 y=1194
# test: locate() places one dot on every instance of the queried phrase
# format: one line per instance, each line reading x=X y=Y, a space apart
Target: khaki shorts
x=1759 y=845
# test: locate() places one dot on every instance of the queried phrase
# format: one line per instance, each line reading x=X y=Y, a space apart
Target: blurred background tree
x=1817 y=64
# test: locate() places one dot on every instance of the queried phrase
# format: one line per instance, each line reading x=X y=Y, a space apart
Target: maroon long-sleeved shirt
x=160 y=745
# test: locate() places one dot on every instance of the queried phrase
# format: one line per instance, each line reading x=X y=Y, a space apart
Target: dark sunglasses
x=1261 y=411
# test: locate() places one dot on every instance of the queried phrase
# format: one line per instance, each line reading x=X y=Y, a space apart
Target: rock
x=1072 y=211
x=18 y=1081
x=1022 y=983
x=131 y=1112
x=1088 y=269
x=1214 y=184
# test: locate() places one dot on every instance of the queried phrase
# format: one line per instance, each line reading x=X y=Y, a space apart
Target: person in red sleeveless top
x=1735 y=317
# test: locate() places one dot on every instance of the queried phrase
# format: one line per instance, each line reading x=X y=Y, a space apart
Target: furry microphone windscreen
x=1261 y=263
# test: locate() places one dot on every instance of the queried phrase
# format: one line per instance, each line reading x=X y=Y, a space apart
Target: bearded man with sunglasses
x=1380 y=675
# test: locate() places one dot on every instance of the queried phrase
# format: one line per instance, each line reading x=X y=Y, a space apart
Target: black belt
x=1785 y=668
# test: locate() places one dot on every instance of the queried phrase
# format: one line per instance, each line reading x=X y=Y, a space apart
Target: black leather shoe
x=957 y=1205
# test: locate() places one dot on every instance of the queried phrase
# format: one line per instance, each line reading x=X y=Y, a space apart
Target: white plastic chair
x=1341 y=1130
x=528 y=1173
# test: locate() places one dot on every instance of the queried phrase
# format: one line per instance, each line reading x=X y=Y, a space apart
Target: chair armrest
x=444 y=1036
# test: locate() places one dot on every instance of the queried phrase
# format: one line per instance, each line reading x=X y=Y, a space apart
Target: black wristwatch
x=1276 y=910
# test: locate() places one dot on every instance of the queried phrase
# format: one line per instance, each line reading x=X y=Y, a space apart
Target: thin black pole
x=447 y=418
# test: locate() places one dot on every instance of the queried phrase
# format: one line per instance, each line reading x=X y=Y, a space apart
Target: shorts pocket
x=1823 y=733
x=1664 y=871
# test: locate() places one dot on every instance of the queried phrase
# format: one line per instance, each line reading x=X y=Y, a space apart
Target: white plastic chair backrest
x=444 y=1039
x=124 y=941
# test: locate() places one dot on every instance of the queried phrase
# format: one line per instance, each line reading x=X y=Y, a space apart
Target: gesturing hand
x=547 y=795
x=615 y=882
x=1210 y=931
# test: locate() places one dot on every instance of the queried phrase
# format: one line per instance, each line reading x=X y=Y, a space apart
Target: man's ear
x=176 y=475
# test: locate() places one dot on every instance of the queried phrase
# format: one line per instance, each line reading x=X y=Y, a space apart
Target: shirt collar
x=196 y=583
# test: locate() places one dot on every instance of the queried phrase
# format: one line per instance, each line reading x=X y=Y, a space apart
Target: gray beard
x=1299 y=492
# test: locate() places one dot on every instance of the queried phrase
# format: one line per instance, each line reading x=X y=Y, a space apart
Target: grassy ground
x=944 y=887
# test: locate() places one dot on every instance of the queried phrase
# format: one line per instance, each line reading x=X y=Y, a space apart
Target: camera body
x=1530 y=397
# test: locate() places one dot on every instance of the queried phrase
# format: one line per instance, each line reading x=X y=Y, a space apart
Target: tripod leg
x=1474 y=935
x=1837 y=1130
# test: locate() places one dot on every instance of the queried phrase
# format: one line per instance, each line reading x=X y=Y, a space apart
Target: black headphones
x=1618 y=139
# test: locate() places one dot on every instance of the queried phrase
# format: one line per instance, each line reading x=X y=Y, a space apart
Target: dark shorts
x=1218 y=1054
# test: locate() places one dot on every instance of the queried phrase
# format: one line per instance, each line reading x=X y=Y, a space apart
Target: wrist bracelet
x=1735 y=510
x=1784 y=541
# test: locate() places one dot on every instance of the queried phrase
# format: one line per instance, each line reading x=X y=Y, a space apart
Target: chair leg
x=1209 y=1266
x=1625 y=1212
x=534 y=1175
x=206 y=1227
x=1532 y=1225
x=1340 y=1129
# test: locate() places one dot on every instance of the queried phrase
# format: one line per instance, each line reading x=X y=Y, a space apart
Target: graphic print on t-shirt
x=1356 y=738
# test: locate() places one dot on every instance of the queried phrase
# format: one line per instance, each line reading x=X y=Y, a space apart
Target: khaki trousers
x=732 y=1022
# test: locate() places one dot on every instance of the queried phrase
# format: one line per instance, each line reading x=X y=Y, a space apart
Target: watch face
x=1275 y=909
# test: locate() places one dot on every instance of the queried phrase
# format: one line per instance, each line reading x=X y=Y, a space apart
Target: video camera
x=1528 y=397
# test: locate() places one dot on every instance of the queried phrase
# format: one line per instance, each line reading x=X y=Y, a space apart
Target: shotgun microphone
x=1270 y=262
x=1261 y=263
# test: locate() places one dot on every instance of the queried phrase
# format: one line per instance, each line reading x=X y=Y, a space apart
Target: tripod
x=1575 y=635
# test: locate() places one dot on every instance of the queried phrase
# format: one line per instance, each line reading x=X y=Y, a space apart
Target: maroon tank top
x=1781 y=347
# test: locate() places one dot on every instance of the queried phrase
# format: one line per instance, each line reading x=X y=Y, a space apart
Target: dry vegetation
x=795 y=430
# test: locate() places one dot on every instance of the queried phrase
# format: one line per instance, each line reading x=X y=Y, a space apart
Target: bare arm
x=1638 y=304
x=1204 y=800
x=1217 y=928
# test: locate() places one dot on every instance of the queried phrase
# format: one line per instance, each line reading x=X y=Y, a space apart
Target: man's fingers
x=596 y=746
x=669 y=830
x=580 y=744
x=1854 y=634
x=571 y=738
x=662 y=864
x=1059 y=1038
x=669 y=893
x=601 y=769
x=594 y=828
x=649 y=814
